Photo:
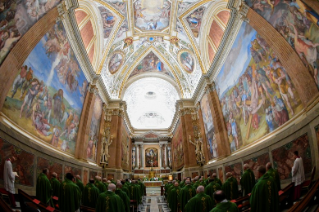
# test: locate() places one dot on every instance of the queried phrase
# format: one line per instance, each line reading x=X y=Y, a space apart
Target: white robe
x=8 y=177
x=298 y=173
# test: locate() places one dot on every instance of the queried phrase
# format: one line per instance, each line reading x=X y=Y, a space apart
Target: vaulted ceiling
x=175 y=41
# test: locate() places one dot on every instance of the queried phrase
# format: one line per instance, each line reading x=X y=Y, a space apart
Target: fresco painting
x=317 y=134
x=47 y=95
x=151 y=157
x=236 y=169
x=94 y=135
x=16 y=18
x=177 y=142
x=108 y=20
x=151 y=63
x=115 y=62
x=93 y=174
x=126 y=147
x=255 y=162
x=187 y=60
x=259 y=95
x=52 y=166
x=152 y=15
x=194 y=20
x=209 y=127
x=184 y=5
x=298 y=24
x=85 y=178
x=283 y=157
x=72 y=170
x=221 y=174
x=24 y=165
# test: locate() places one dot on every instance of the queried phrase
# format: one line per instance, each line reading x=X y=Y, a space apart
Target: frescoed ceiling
x=174 y=40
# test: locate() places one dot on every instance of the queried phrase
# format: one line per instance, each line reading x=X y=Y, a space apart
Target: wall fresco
x=52 y=166
x=72 y=170
x=177 y=143
x=151 y=157
x=236 y=169
x=255 y=162
x=126 y=149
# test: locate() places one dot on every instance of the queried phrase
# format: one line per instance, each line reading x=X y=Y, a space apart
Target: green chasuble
x=80 y=184
x=185 y=194
x=196 y=184
x=134 y=193
x=106 y=185
x=225 y=206
x=55 y=184
x=247 y=181
x=70 y=195
x=274 y=174
x=230 y=188
x=142 y=188
x=90 y=195
x=264 y=196
x=167 y=187
x=173 y=198
x=44 y=190
x=211 y=188
x=201 y=202
x=109 y=202
x=100 y=186
x=125 y=199
x=182 y=184
x=218 y=181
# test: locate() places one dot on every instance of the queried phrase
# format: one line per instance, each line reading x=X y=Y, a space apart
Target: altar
x=153 y=187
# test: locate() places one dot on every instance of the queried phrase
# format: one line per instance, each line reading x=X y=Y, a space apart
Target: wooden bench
x=308 y=183
x=242 y=202
x=4 y=207
x=86 y=209
x=285 y=196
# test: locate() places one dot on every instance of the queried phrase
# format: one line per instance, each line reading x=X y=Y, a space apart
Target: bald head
x=104 y=180
x=98 y=178
x=268 y=166
x=118 y=184
x=54 y=174
x=111 y=187
x=214 y=175
x=176 y=184
x=229 y=174
x=246 y=166
x=261 y=171
x=200 y=189
x=78 y=177
x=219 y=196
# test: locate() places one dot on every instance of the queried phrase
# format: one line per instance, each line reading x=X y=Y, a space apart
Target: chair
x=308 y=183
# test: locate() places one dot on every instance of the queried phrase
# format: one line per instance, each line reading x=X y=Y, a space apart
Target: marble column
x=137 y=156
x=133 y=155
x=169 y=157
x=160 y=156
x=142 y=156
x=165 y=156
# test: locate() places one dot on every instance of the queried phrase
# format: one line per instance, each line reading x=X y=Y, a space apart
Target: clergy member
x=105 y=182
x=186 y=193
x=55 y=184
x=264 y=196
x=274 y=174
x=70 y=195
x=109 y=202
x=99 y=184
x=173 y=197
x=123 y=195
x=211 y=188
x=247 y=181
x=78 y=182
x=222 y=204
x=43 y=188
x=230 y=187
x=298 y=175
x=214 y=176
x=90 y=194
x=201 y=202
x=8 y=179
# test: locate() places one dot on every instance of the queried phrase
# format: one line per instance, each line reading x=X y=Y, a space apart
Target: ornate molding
x=243 y=10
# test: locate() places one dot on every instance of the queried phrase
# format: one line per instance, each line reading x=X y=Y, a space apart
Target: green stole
x=173 y=198
x=80 y=184
x=109 y=202
x=211 y=188
x=230 y=188
x=90 y=195
x=185 y=194
x=100 y=186
x=264 y=196
x=69 y=198
x=247 y=181
x=125 y=199
x=201 y=202
x=274 y=174
x=44 y=190
x=55 y=184
x=225 y=206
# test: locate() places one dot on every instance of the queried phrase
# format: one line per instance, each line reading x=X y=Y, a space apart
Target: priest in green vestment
x=134 y=190
x=99 y=184
x=214 y=176
x=274 y=174
x=125 y=188
x=108 y=201
x=222 y=204
x=230 y=187
x=182 y=183
x=200 y=202
x=90 y=194
x=247 y=181
x=70 y=195
x=43 y=188
x=211 y=188
x=106 y=182
x=55 y=184
x=79 y=183
x=186 y=193
x=167 y=187
x=173 y=197
x=143 y=189
x=264 y=196
x=123 y=195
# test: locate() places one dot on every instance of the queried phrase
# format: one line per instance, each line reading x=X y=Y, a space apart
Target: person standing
x=8 y=179
x=230 y=187
x=55 y=184
x=90 y=194
x=70 y=195
x=186 y=193
x=247 y=181
x=222 y=204
x=274 y=174
x=108 y=201
x=298 y=175
x=200 y=202
x=43 y=188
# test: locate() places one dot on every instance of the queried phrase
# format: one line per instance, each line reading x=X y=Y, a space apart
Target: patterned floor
x=155 y=204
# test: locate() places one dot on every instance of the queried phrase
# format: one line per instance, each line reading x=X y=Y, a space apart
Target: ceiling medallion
x=128 y=41
x=186 y=59
x=116 y=61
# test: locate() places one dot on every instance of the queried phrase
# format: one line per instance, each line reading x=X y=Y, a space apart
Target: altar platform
x=153 y=187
